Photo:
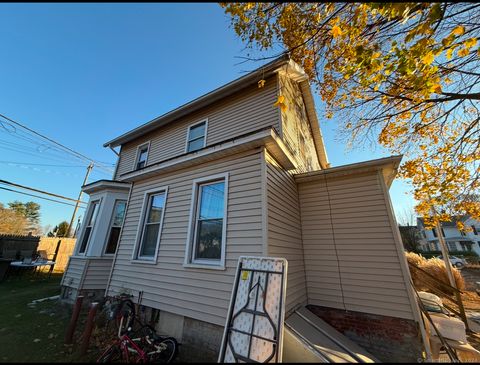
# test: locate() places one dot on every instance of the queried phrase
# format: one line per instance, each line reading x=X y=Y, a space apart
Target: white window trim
x=109 y=231
x=84 y=228
x=204 y=137
x=139 y=147
x=147 y=259
x=206 y=264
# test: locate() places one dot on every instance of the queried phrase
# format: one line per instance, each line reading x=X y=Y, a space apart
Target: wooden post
x=73 y=320
x=445 y=255
x=54 y=258
x=462 y=310
x=88 y=328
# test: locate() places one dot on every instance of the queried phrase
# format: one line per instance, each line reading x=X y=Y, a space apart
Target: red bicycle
x=140 y=346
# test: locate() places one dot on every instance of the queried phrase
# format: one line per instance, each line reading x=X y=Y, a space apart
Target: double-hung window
x=116 y=226
x=91 y=218
x=151 y=225
x=142 y=155
x=206 y=244
x=196 y=136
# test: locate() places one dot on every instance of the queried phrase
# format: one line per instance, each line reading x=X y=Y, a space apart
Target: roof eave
x=199 y=102
x=388 y=166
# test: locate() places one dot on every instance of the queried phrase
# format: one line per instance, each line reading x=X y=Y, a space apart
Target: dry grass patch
x=434 y=267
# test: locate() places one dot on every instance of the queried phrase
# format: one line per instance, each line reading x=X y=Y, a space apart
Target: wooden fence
x=17 y=247
x=66 y=249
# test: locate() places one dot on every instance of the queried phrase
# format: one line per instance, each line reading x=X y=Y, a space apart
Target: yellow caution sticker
x=244 y=275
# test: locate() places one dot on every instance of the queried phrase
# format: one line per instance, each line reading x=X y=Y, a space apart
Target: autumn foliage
x=404 y=75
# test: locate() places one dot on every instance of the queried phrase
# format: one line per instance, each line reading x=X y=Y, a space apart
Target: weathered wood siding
x=297 y=133
x=284 y=235
x=246 y=111
x=202 y=294
x=74 y=272
x=351 y=258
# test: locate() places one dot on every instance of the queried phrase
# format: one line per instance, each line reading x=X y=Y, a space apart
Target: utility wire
x=39 y=191
x=79 y=155
x=40 y=197
x=50 y=157
x=40 y=164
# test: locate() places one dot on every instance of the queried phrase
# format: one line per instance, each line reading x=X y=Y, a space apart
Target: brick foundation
x=389 y=339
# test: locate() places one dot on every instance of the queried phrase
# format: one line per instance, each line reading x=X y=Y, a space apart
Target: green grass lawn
x=36 y=332
x=33 y=333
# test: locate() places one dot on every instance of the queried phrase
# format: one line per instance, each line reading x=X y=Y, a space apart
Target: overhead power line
x=65 y=148
x=40 y=164
x=38 y=196
x=41 y=191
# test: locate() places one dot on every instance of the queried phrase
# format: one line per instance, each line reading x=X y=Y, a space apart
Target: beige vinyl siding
x=246 y=111
x=74 y=272
x=351 y=258
x=202 y=294
x=126 y=160
x=284 y=235
x=97 y=271
x=296 y=130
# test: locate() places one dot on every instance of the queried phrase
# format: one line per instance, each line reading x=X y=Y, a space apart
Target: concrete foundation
x=170 y=324
x=69 y=295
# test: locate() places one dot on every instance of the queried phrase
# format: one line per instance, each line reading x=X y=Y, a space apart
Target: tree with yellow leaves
x=406 y=75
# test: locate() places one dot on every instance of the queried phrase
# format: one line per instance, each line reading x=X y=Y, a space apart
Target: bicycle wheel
x=112 y=354
x=164 y=351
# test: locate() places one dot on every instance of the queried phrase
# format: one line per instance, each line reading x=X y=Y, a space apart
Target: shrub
x=436 y=268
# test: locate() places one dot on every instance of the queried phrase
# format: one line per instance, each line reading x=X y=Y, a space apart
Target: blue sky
x=85 y=73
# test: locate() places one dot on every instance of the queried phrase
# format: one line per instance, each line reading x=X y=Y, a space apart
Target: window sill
x=144 y=261
x=204 y=266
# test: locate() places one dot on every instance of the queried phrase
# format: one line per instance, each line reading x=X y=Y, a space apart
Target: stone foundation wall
x=389 y=339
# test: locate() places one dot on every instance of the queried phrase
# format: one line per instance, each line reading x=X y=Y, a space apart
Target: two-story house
x=455 y=239
x=231 y=174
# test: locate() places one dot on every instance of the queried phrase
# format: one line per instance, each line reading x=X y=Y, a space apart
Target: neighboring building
x=230 y=174
x=455 y=239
